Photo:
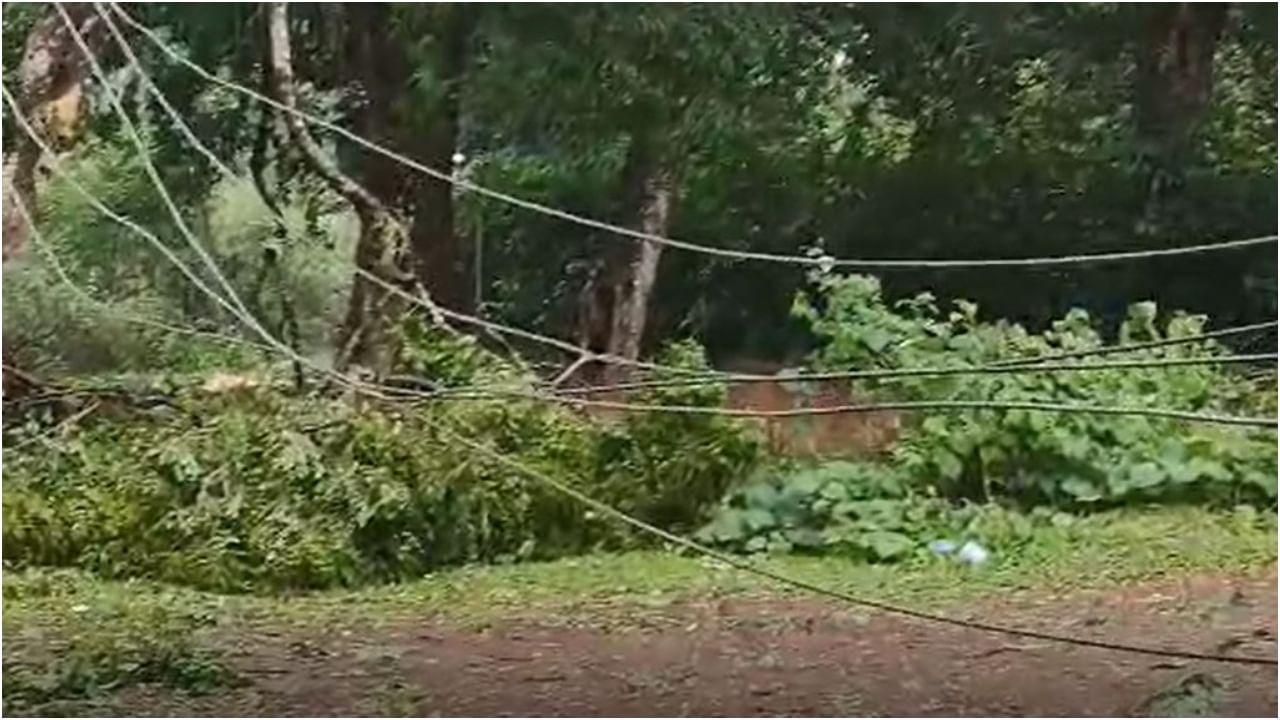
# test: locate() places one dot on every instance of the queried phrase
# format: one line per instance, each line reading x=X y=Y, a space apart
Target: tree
x=364 y=337
x=51 y=79
x=648 y=86
x=438 y=37
x=1174 y=82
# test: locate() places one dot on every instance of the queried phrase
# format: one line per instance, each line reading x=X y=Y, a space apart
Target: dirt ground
x=779 y=657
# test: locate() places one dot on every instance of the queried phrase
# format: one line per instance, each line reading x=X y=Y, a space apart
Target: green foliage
x=670 y=468
x=53 y=329
x=862 y=510
x=1014 y=131
x=1069 y=459
x=73 y=303
x=67 y=640
x=254 y=499
x=447 y=357
x=265 y=492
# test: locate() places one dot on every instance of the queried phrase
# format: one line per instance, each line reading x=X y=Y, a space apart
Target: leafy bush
x=51 y=329
x=267 y=494
x=449 y=358
x=953 y=474
x=859 y=509
x=862 y=510
x=56 y=328
x=1069 y=459
x=259 y=491
x=671 y=468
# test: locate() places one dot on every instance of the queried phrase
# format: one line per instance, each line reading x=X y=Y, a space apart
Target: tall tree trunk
x=50 y=92
x=383 y=61
x=1175 y=81
x=614 y=306
x=439 y=258
x=365 y=336
x=377 y=61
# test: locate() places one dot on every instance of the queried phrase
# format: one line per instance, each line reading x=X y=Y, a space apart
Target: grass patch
x=1092 y=552
x=69 y=640
x=72 y=638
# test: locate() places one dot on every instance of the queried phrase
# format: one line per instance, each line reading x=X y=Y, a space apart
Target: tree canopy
x=871 y=131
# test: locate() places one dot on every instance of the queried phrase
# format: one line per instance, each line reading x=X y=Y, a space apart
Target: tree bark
x=378 y=63
x=439 y=258
x=50 y=92
x=614 y=306
x=1175 y=75
x=365 y=336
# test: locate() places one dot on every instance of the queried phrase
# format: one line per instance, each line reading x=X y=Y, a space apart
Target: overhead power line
x=818 y=261
x=862 y=408
x=1146 y=344
x=915 y=372
x=733 y=561
x=232 y=301
x=97 y=204
x=438 y=311
x=51 y=256
x=702 y=377
x=724 y=558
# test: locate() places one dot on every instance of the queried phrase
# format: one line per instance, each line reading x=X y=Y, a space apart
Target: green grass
x=70 y=635
x=69 y=638
x=1091 y=552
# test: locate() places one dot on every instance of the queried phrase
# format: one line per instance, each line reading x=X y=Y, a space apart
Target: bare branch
x=283 y=87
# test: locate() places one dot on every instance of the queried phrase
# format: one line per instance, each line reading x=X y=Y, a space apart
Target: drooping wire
x=754 y=569
x=470 y=186
x=434 y=308
x=690 y=544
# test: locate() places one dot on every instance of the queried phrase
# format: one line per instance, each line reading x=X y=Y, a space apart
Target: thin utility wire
x=754 y=569
x=832 y=410
x=702 y=377
x=436 y=310
x=245 y=317
x=51 y=257
x=859 y=408
x=135 y=137
x=56 y=170
x=826 y=262
x=747 y=566
x=584 y=355
x=913 y=372
x=950 y=405
x=1146 y=344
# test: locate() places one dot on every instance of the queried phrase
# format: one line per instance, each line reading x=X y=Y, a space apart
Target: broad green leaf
x=757 y=519
x=1081 y=489
x=888 y=545
x=1146 y=475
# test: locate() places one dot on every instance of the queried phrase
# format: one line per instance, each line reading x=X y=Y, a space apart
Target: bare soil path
x=770 y=657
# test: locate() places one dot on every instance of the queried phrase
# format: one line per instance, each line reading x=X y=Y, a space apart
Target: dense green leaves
x=858 y=131
x=272 y=492
x=1038 y=457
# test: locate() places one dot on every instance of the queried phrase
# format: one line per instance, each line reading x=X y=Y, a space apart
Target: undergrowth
x=992 y=474
x=259 y=492
x=70 y=639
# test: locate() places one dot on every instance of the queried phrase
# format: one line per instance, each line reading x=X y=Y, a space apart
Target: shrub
x=269 y=493
x=265 y=492
x=976 y=473
x=669 y=468
x=863 y=510
x=1068 y=459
